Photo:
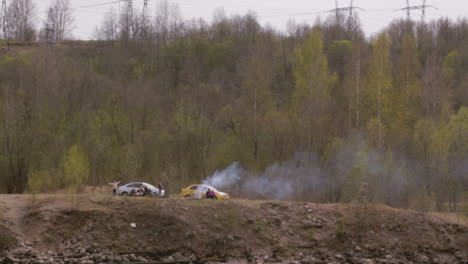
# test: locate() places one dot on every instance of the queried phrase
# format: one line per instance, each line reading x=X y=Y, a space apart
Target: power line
x=423 y=15
x=263 y=12
x=145 y=8
x=422 y=7
x=349 y=9
x=337 y=10
x=101 y=4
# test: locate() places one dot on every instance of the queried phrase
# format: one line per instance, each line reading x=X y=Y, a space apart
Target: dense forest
x=165 y=99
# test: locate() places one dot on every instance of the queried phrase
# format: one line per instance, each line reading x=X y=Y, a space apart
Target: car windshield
x=206 y=187
x=149 y=186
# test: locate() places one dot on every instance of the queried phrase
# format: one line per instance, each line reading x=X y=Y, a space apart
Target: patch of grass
x=458 y=218
x=340 y=232
x=311 y=233
x=7 y=239
x=15 y=42
x=258 y=226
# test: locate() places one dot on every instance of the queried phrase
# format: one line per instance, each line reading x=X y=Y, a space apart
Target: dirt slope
x=237 y=230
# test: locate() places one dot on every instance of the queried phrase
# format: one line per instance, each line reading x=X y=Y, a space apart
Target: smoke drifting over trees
x=309 y=114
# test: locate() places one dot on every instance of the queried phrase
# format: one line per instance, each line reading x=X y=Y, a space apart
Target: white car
x=133 y=187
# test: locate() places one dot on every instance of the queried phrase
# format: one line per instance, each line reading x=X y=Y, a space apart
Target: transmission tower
x=4 y=20
x=422 y=7
x=423 y=13
x=351 y=17
x=145 y=19
x=145 y=9
x=50 y=29
x=130 y=7
x=351 y=8
x=408 y=10
x=129 y=17
x=338 y=9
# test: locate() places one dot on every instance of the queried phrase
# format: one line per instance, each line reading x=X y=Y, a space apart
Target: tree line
x=21 y=19
x=172 y=100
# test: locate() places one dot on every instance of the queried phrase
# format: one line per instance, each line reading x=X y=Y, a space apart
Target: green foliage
x=332 y=148
x=465 y=207
x=361 y=207
x=230 y=148
x=76 y=168
x=340 y=232
x=339 y=54
x=458 y=133
x=373 y=128
x=197 y=97
x=406 y=99
x=451 y=66
x=311 y=99
x=380 y=76
x=351 y=186
x=7 y=60
x=313 y=81
x=311 y=233
x=422 y=137
x=40 y=181
x=423 y=202
x=137 y=68
x=259 y=226
x=220 y=53
x=7 y=239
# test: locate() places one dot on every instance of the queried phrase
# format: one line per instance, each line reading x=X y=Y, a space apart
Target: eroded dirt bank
x=96 y=229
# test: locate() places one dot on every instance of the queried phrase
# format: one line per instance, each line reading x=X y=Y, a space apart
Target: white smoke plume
x=226 y=178
x=392 y=178
x=280 y=181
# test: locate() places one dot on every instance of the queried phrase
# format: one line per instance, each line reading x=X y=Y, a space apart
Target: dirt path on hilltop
x=13 y=210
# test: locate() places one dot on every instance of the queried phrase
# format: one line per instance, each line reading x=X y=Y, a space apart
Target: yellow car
x=198 y=191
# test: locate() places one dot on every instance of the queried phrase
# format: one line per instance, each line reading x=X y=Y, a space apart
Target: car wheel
x=124 y=194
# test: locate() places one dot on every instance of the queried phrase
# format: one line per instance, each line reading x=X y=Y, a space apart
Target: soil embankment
x=97 y=229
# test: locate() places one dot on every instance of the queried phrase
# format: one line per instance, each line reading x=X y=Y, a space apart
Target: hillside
x=97 y=230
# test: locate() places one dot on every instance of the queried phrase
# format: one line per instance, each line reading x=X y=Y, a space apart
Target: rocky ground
x=89 y=255
x=102 y=229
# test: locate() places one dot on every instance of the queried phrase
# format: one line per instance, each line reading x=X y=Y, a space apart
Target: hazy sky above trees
x=275 y=12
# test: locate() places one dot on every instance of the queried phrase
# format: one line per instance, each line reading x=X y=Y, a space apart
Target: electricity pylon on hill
x=4 y=20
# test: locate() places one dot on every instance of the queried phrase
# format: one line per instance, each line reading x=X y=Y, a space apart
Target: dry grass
x=457 y=218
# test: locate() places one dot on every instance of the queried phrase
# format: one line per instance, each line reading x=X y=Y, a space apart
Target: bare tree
x=109 y=29
x=435 y=93
x=60 y=19
x=21 y=16
x=168 y=21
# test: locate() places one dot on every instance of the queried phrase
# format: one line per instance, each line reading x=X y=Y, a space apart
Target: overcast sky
x=274 y=12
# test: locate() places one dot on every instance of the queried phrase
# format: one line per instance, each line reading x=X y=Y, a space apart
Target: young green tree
x=379 y=85
x=405 y=106
x=76 y=169
x=311 y=97
x=257 y=93
x=441 y=179
x=409 y=70
x=458 y=137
